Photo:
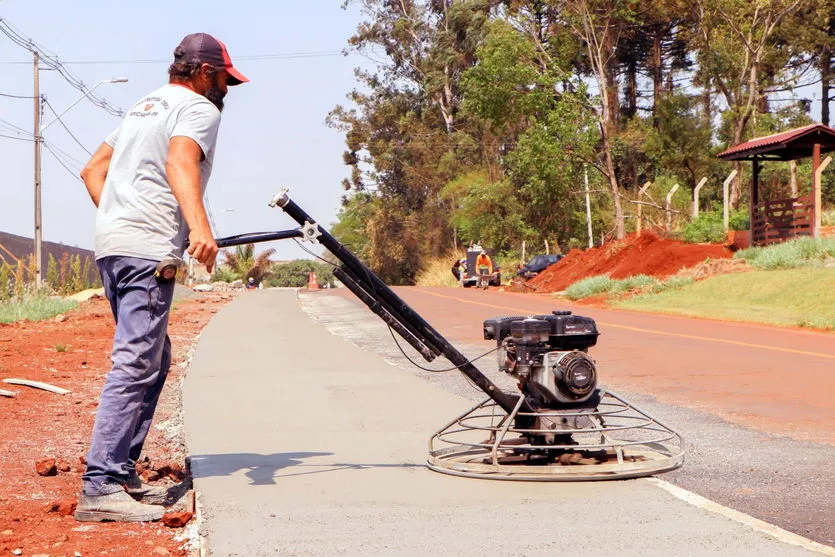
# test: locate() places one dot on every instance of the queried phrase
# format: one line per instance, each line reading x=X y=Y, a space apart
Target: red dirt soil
x=647 y=254
x=73 y=352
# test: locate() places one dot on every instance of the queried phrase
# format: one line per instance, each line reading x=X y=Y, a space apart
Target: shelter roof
x=784 y=146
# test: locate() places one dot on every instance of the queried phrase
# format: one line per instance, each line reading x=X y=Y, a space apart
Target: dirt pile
x=44 y=436
x=647 y=254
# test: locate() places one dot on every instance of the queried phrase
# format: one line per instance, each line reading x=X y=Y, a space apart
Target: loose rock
x=64 y=507
x=46 y=467
x=176 y=519
x=64 y=466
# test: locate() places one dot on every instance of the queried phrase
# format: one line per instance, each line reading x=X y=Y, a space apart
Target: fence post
x=725 y=201
x=523 y=252
x=817 y=189
x=641 y=193
x=668 y=207
x=793 y=183
x=588 y=206
x=696 y=191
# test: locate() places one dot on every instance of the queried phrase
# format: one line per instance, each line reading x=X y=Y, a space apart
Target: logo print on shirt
x=148 y=107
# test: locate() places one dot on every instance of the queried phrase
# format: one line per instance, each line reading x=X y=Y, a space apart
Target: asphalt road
x=755 y=404
x=304 y=440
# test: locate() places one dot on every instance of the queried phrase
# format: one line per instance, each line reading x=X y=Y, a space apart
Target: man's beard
x=215 y=96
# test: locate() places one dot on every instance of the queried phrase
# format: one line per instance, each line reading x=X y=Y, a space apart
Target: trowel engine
x=548 y=354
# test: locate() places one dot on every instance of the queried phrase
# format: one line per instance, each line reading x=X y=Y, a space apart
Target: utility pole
x=37 y=131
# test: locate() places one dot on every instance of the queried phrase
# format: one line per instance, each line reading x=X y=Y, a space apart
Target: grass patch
x=801 y=252
x=602 y=284
x=793 y=297
x=437 y=273
x=33 y=308
x=636 y=282
x=591 y=286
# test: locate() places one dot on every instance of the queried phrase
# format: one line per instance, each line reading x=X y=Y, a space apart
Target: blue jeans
x=141 y=358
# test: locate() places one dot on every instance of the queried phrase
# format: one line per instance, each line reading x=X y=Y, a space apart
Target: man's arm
x=95 y=172
x=183 y=170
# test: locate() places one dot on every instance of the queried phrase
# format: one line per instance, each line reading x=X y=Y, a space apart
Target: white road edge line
x=754 y=523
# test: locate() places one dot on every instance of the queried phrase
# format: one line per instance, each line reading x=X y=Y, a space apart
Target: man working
x=484 y=264
x=147 y=180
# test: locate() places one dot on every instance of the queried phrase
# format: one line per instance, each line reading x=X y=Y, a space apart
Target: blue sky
x=273 y=133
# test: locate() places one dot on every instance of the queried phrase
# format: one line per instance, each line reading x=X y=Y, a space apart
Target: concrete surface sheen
x=782 y=481
x=304 y=444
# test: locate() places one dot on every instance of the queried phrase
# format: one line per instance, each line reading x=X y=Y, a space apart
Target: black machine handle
x=381 y=299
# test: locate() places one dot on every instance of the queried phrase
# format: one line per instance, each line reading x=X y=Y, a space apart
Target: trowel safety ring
x=617 y=441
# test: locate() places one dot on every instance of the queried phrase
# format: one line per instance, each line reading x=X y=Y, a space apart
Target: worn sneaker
x=115 y=507
x=147 y=493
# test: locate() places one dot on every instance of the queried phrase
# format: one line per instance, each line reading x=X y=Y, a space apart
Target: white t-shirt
x=138 y=215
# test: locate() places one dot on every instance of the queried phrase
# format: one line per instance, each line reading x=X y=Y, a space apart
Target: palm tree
x=245 y=264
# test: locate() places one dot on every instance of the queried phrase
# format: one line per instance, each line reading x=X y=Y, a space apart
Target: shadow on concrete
x=263 y=469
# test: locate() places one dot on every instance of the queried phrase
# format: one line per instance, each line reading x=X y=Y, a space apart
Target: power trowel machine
x=559 y=426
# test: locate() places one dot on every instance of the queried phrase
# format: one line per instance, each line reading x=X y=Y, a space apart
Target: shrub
x=672 y=283
x=707 y=227
x=788 y=255
x=589 y=287
x=5 y=281
x=224 y=273
x=53 y=279
x=739 y=220
x=637 y=282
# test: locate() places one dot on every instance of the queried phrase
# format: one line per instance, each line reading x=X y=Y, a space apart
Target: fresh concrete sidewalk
x=304 y=444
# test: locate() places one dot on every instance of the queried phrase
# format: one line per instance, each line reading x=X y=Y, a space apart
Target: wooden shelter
x=778 y=220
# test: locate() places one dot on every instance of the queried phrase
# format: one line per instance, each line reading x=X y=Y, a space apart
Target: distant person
x=456 y=270
x=147 y=180
x=484 y=264
x=250 y=284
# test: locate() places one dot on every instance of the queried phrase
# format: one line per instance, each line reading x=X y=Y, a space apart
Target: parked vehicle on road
x=537 y=264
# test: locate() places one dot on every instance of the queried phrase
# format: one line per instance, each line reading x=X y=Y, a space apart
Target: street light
x=84 y=96
x=38 y=140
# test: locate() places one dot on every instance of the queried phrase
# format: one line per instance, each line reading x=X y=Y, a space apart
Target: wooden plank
x=37 y=385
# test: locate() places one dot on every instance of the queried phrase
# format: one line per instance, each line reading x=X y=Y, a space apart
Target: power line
x=252 y=57
x=18 y=138
x=60 y=121
x=18 y=129
x=62 y=163
x=17 y=96
x=67 y=155
x=51 y=61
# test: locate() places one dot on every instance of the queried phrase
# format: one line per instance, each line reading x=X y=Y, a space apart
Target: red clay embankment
x=647 y=254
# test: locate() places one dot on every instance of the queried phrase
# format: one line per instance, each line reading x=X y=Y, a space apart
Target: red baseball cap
x=204 y=48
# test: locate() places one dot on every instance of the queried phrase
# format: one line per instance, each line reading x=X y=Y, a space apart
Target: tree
x=487 y=212
x=295 y=273
x=598 y=23
x=735 y=42
x=244 y=264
